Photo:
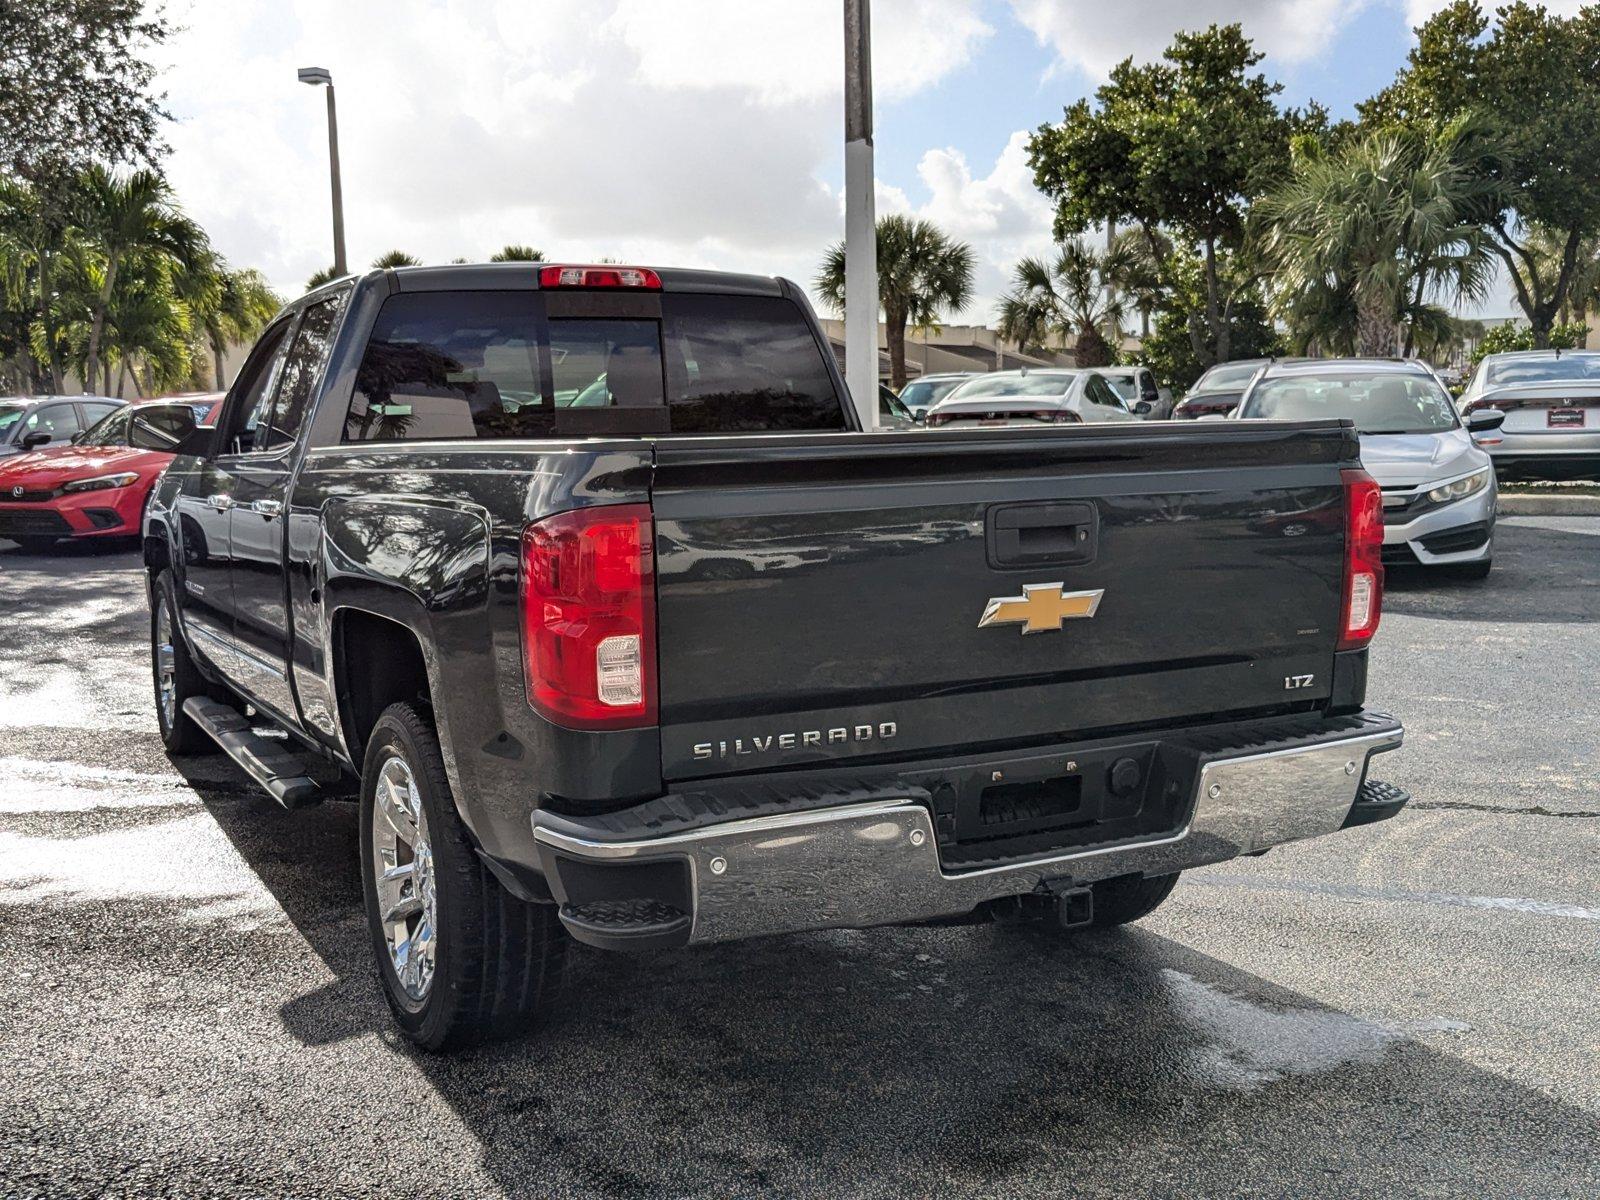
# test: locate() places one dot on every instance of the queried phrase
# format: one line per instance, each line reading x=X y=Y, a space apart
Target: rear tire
x=173 y=672
x=462 y=960
x=1119 y=901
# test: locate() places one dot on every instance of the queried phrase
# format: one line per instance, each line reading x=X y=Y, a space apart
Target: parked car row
x=92 y=482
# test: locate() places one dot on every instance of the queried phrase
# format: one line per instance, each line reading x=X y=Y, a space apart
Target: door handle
x=221 y=502
x=1025 y=535
x=267 y=508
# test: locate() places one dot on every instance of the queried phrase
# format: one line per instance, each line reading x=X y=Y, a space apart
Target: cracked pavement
x=189 y=1007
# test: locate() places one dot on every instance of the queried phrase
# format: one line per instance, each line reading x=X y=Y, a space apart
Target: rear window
x=1544 y=370
x=454 y=365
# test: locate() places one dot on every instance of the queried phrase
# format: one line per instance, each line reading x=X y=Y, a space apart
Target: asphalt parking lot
x=188 y=1006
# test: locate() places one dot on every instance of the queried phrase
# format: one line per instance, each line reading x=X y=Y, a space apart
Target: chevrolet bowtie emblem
x=1041 y=607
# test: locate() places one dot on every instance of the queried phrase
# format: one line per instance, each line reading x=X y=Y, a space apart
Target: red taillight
x=1066 y=416
x=1363 y=559
x=589 y=617
x=599 y=277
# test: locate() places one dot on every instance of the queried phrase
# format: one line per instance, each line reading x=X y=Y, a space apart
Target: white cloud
x=1088 y=37
x=795 y=50
x=1001 y=215
x=694 y=133
x=1418 y=11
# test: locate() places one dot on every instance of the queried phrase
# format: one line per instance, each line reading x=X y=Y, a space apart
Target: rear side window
x=455 y=365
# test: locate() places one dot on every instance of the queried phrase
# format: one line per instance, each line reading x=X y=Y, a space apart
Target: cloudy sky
x=681 y=132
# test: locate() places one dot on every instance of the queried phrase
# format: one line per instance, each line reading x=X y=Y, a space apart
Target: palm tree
x=1068 y=296
x=395 y=258
x=1369 y=244
x=515 y=253
x=124 y=215
x=228 y=306
x=33 y=230
x=318 y=278
x=922 y=274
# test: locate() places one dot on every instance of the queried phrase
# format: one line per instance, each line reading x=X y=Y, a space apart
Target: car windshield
x=10 y=414
x=1230 y=375
x=1378 y=402
x=924 y=393
x=1543 y=370
x=989 y=386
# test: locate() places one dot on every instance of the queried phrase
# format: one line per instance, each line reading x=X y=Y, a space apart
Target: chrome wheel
x=402 y=866
x=166 y=668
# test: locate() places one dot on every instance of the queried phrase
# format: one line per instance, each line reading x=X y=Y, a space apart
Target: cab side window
x=302 y=370
x=1100 y=392
x=250 y=404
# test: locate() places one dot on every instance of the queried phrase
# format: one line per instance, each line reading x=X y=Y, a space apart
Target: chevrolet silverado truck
x=587 y=584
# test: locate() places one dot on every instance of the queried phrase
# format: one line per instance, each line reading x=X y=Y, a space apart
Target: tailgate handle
x=1025 y=535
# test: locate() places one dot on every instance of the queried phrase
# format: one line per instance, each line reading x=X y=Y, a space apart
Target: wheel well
x=376 y=663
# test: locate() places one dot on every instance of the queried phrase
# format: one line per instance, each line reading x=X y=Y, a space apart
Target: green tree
x=1068 y=296
x=515 y=253
x=1180 y=325
x=1534 y=78
x=1502 y=339
x=1177 y=147
x=123 y=216
x=75 y=86
x=228 y=307
x=922 y=274
x=395 y=258
x=35 y=231
x=1372 y=245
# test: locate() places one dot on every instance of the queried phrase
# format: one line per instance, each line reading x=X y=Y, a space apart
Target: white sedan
x=1028 y=398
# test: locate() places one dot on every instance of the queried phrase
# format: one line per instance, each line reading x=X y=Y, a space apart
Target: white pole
x=860 y=225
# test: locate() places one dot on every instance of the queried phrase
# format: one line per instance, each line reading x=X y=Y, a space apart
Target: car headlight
x=1460 y=489
x=99 y=482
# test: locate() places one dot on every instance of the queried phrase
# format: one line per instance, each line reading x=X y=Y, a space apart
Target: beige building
x=950 y=348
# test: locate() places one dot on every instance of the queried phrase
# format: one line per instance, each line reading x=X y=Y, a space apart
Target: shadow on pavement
x=1541 y=575
x=932 y=1061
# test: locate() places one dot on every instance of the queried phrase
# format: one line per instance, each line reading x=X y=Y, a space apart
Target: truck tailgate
x=830 y=597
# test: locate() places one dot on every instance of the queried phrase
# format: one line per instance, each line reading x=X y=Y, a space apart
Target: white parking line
x=1343 y=891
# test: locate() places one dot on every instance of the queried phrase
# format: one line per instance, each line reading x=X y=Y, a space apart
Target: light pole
x=319 y=77
x=860 y=226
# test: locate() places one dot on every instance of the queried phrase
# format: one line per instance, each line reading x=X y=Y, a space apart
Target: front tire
x=173 y=672
x=461 y=959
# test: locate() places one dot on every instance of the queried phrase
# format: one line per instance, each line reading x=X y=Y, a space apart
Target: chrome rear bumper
x=877 y=862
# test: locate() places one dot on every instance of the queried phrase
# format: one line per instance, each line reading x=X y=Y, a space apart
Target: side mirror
x=161 y=427
x=1485 y=419
x=1142 y=409
x=38 y=437
x=920 y=416
x=197 y=442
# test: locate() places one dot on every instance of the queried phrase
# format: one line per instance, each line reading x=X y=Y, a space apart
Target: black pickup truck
x=586 y=581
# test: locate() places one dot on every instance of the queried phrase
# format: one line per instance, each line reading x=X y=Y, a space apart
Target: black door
x=260 y=492
x=205 y=506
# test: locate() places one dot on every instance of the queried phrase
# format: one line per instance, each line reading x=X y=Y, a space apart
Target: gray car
x=34 y=422
x=923 y=392
x=1438 y=485
x=1551 y=399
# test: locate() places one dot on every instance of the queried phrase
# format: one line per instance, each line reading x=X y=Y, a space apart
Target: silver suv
x=1438 y=485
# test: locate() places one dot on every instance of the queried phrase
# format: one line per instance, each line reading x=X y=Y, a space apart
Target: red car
x=97 y=485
